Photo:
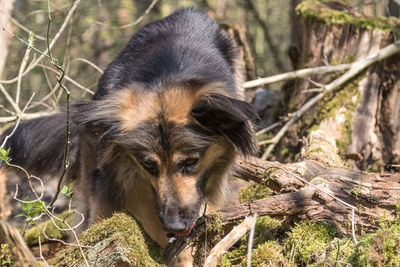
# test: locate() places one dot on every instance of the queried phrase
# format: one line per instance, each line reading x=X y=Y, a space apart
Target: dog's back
x=181 y=47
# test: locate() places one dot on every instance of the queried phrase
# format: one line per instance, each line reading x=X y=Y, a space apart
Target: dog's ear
x=94 y=115
x=230 y=117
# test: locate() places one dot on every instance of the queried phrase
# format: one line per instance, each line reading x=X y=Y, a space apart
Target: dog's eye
x=189 y=164
x=151 y=167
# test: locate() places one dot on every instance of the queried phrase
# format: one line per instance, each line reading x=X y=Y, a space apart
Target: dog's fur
x=162 y=131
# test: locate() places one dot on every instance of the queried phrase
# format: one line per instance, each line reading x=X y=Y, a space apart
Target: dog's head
x=182 y=139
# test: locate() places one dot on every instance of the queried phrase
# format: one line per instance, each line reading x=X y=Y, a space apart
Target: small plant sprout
x=30 y=210
x=67 y=190
x=4 y=155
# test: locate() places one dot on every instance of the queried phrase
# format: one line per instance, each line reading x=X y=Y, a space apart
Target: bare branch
x=22 y=67
x=9 y=99
x=296 y=75
x=60 y=240
x=58 y=34
x=27 y=116
x=152 y=4
x=80 y=86
x=356 y=68
x=229 y=240
x=251 y=239
x=90 y=64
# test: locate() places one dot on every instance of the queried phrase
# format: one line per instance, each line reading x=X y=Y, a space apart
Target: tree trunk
x=4 y=211
x=6 y=7
x=363 y=115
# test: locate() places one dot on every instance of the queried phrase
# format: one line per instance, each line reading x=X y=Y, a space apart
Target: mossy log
x=363 y=115
x=376 y=196
x=117 y=241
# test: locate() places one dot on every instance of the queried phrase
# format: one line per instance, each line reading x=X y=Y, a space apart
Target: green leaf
x=27 y=206
x=64 y=189
x=70 y=187
x=4 y=154
x=20 y=215
x=39 y=204
x=34 y=212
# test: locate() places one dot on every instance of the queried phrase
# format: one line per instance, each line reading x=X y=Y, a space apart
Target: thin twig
x=58 y=34
x=38 y=198
x=229 y=240
x=296 y=75
x=40 y=247
x=11 y=134
x=356 y=68
x=353 y=208
x=68 y=94
x=90 y=64
x=60 y=240
x=10 y=100
x=269 y=128
x=80 y=86
x=17 y=123
x=150 y=7
x=19 y=25
x=22 y=68
x=78 y=244
x=27 y=116
x=251 y=241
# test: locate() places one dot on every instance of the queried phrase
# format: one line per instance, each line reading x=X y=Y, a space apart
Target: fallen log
x=20 y=255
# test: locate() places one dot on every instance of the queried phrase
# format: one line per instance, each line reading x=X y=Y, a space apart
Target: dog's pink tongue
x=180 y=234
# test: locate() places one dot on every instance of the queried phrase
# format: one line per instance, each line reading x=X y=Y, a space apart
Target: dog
x=160 y=135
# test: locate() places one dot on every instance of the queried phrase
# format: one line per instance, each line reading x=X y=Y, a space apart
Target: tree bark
x=362 y=115
x=10 y=235
x=4 y=211
x=375 y=195
x=6 y=8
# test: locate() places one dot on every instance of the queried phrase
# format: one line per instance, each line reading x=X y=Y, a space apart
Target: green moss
x=347 y=97
x=313 y=151
x=31 y=235
x=341 y=252
x=263 y=246
x=379 y=248
x=307 y=241
x=323 y=11
x=123 y=230
x=376 y=166
x=268 y=254
x=215 y=232
x=253 y=192
x=265 y=229
x=6 y=255
x=214 y=223
x=284 y=152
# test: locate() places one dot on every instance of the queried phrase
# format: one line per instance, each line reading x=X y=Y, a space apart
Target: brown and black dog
x=161 y=133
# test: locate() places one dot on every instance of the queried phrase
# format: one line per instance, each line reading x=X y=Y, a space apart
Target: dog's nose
x=175 y=221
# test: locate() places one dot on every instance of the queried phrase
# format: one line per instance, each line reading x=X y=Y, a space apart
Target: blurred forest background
x=95 y=34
